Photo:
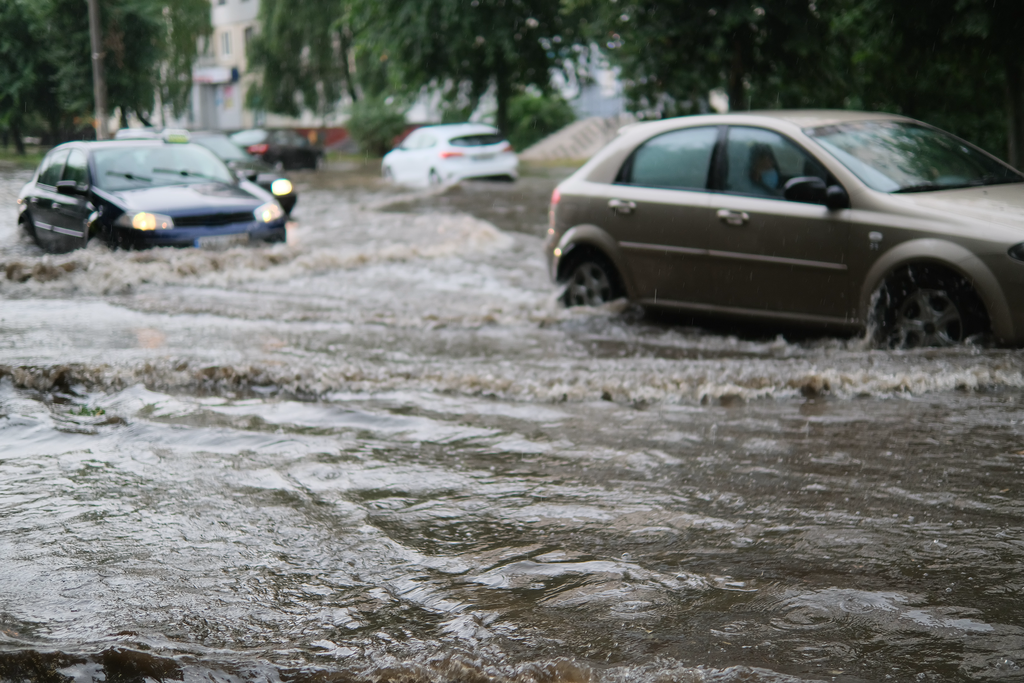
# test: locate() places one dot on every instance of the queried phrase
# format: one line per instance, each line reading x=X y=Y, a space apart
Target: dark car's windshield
x=896 y=156
x=223 y=147
x=129 y=168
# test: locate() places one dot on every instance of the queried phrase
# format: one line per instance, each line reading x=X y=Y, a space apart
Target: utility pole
x=99 y=84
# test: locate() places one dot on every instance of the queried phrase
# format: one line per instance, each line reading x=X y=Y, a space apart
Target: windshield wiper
x=183 y=172
x=930 y=187
x=131 y=176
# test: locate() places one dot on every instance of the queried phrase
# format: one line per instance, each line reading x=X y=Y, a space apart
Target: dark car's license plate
x=222 y=241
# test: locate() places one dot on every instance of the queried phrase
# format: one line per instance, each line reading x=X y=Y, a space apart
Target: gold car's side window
x=678 y=160
x=759 y=162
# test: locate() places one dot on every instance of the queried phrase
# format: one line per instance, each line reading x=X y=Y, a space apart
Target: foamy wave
x=629 y=381
x=98 y=270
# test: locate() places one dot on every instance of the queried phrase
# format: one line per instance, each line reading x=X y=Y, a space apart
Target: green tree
x=148 y=45
x=954 y=63
x=25 y=73
x=470 y=44
x=960 y=61
x=534 y=117
x=302 y=56
x=185 y=22
x=45 y=58
x=375 y=123
x=673 y=52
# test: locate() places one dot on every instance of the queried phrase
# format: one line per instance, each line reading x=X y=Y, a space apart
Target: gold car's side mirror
x=836 y=198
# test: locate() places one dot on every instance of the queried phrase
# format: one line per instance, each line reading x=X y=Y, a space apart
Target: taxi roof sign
x=176 y=136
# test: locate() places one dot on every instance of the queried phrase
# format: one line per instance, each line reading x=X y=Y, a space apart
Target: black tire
x=590 y=280
x=30 y=229
x=924 y=305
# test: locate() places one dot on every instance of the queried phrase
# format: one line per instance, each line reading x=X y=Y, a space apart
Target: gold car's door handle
x=733 y=217
x=621 y=206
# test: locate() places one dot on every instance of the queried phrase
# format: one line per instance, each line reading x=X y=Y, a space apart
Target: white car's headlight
x=281 y=187
x=143 y=220
x=268 y=213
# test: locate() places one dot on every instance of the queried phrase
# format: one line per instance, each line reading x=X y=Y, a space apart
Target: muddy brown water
x=383 y=452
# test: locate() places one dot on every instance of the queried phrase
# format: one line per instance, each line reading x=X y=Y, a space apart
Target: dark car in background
x=139 y=193
x=282 y=149
x=256 y=170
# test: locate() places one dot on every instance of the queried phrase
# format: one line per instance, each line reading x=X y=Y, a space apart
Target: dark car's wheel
x=590 y=280
x=30 y=229
x=927 y=305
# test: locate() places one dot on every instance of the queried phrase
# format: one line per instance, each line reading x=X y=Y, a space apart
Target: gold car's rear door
x=659 y=213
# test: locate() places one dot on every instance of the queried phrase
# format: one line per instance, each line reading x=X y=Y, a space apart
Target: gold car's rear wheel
x=590 y=281
x=926 y=305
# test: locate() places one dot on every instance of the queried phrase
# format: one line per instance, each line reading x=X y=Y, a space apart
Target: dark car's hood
x=189 y=200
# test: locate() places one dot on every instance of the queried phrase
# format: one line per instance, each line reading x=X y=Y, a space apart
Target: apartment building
x=219 y=79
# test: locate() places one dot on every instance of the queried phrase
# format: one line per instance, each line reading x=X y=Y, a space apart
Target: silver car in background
x=842 y=219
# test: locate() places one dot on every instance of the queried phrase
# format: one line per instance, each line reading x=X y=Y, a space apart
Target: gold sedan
x=842 y=219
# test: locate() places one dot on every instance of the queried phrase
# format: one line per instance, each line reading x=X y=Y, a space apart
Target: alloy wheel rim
x=928 y=318
x=589 y=285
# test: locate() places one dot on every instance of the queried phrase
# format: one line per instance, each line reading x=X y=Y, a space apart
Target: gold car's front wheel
x=928 y=317
x=926 y=305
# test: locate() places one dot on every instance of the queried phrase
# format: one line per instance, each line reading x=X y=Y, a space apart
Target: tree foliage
x=25 y=73
x=375 y=123
x=533 y=117
x=509 y=44
x=302 y=54
x=310 y=52
x=45 y=58
x=954 y=63
x=673 y=52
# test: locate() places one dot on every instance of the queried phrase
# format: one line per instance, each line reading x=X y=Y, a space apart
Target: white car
x=433 y=155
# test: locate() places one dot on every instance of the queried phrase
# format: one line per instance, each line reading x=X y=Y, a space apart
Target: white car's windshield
x=894 y=156
x=129 y=168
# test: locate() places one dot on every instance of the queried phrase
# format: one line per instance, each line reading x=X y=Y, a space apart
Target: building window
x=248 y=36
x=225 y=43
x=222 y=2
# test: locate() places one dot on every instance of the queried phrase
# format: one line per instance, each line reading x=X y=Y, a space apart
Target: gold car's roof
x=812 y=118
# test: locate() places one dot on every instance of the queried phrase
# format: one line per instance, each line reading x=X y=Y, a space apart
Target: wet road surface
x=384 y=452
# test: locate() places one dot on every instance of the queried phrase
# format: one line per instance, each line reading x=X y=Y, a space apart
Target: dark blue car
x=143 y=193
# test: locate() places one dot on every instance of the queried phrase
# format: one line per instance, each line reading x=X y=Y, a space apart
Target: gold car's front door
x=771 y=255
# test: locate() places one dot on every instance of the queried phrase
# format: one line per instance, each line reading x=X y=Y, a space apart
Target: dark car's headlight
x=268 y=213
x=1017 y=252
x=143 y=220
x=281 y=187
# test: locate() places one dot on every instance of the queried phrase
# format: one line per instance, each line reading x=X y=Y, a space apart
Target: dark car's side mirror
x=70 y=188
x=836 y=198
x=805 y=189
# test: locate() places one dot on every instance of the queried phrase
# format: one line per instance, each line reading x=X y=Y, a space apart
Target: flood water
x=383 y=452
